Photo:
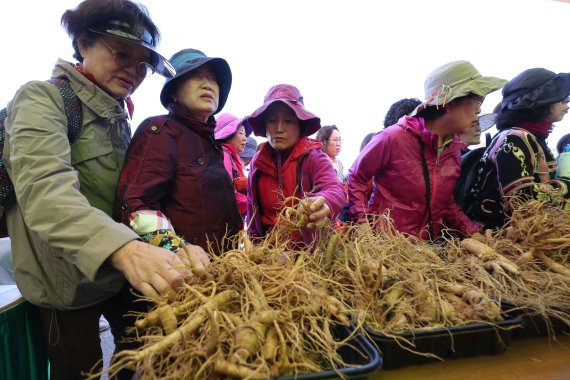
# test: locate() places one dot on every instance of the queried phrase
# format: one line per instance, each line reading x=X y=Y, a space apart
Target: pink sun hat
x=292 y=97
x=228 y=124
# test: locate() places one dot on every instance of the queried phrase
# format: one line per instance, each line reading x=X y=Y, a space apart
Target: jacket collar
x=416 y=126
x=266 y=159
x=91 y=95
x=181 y=113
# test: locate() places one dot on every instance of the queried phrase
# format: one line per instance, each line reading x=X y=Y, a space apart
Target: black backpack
x=470 y=164
x=469 y=161
x=72 y=108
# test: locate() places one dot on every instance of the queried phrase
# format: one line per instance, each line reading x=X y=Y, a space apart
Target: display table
x=22 y=344
x=526 y=359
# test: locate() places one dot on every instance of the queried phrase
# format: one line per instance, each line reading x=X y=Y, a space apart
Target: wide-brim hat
x=455 y=80
x=534 y=88
x=187 y=60
x=291 y=97
x=228 y=124
x=487 y=120
x=137 y=35
x=250 y=148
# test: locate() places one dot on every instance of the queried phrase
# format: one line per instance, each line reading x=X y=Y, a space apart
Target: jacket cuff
x=148 y=221
x=91 y=256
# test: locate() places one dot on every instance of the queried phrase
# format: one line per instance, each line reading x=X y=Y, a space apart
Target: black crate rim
x=508 y=320
x=372 y=366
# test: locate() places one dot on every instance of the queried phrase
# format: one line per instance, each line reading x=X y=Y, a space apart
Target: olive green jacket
x=61 y=229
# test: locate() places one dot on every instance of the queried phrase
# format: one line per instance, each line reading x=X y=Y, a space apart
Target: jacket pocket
x=87 y=150
x=98 y=172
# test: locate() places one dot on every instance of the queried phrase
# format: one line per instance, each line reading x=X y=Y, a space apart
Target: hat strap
x=445 y=90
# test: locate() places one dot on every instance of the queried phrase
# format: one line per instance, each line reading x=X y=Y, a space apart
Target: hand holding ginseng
x=155 y=272
x=317 y=210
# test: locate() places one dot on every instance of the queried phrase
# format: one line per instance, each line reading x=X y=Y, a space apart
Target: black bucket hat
x=188 y=60
x=137 y=35
x=534 y=88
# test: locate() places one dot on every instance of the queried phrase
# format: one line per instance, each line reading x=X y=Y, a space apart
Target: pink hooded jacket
x=393 y=159
x=226 y=126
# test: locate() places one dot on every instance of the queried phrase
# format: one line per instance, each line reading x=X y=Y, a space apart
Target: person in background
x=415 y=163
x=365 y=141
x=289 y=164
x=518 y=161
x=329 y=136
x=70 y=257
x=472 y=135
x=563 y=157
x=563 y=143
x=400 y=108
x=248 y=152
x=174 y=189
x=344 y=215
x=232 y=133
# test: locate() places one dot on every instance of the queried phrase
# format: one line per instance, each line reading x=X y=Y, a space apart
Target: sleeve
x=515 y=162
x=457 y=219
x=325 y=182
x=370 y=164
x=253 y=218
x=241 y=200
x=147 y=173
x=47 y=185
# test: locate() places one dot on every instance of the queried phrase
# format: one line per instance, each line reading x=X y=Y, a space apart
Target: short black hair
x=512 y=118
x=400 y=108
x=561 y=144
x=430 y=113
x=366 y=140
x=90 y=13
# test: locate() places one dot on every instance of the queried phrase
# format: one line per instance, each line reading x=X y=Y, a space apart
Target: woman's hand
x=155 y=272
x=318 y=211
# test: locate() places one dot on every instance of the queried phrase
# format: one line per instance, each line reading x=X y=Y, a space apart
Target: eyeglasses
x=123 y=60
x=200 y=75
x=336 y=140
x=477 y=99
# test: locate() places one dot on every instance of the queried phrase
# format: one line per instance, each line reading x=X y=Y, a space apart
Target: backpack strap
x=71 y=107
x=428 y=188
x=73 y=113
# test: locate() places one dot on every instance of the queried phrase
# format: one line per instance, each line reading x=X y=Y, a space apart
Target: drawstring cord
x=53 y=326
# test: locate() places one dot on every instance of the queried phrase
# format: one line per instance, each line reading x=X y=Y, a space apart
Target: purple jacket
x=393 y=159
x=315 y=177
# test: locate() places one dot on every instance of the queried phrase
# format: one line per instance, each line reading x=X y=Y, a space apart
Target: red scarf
x=128 y=100
x=540 y=129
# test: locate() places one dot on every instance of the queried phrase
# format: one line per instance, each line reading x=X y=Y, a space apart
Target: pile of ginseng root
x=396 y=283
x=271 y=308
x=260 y=311
x=527 y=259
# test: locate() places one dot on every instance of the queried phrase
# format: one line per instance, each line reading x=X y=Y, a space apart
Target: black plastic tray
x=352 y=354
x=537 y=325
x=454 y=342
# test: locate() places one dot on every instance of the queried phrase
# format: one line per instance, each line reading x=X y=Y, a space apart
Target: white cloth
x=6 y=268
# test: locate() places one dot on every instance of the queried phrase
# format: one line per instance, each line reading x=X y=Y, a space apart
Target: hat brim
x=247 y=153
x=487 y=120
x=223 y=75
x=309 y=122
x=481 y=86
x=161 y=65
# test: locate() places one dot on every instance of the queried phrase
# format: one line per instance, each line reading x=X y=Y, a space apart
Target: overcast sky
x=350 y=59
